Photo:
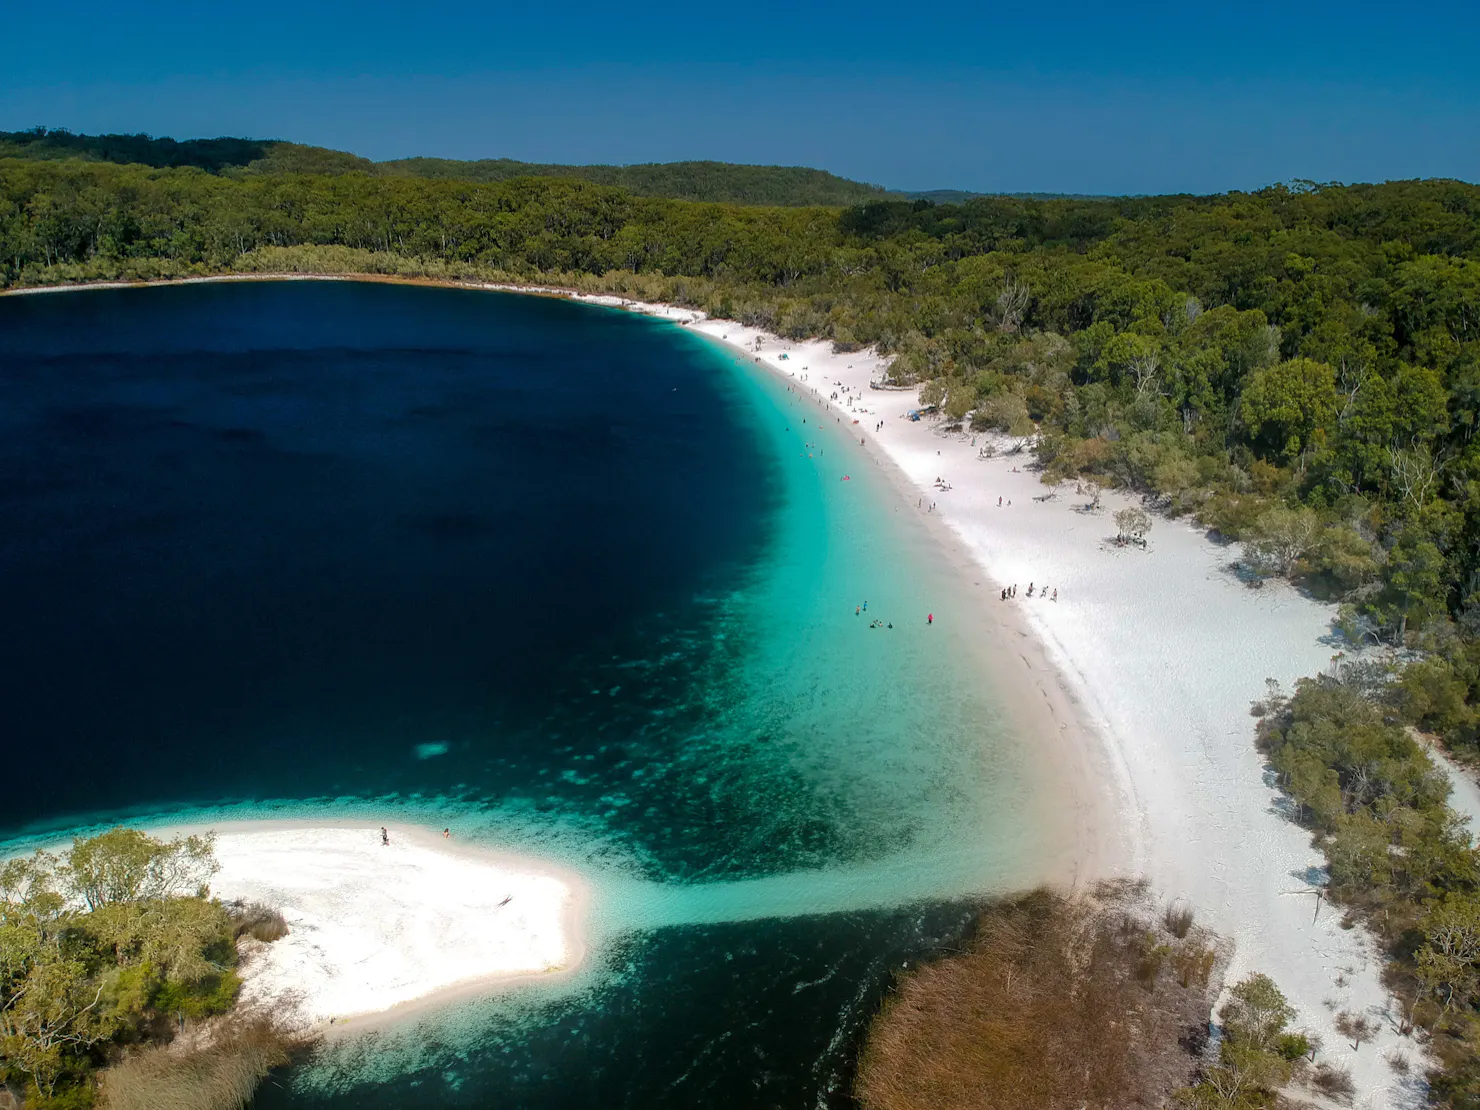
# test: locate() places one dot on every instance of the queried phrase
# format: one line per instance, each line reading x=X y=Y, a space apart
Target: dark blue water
x=261 y=540
x=534 y=565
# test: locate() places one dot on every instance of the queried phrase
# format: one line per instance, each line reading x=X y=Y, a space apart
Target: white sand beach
x=374 y=929
x=1164 y=650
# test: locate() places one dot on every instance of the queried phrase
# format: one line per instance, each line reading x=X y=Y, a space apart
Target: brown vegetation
x=1073 y=1002
x=253 y=919
x=220 y=1076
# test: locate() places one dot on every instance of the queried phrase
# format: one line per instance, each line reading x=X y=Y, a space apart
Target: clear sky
x=1067 y=97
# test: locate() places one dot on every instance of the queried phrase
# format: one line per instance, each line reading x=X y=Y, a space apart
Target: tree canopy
x=98 y=945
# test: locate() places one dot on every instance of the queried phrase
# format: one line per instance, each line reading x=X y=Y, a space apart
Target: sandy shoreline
x=1151 y=661
x=378 y=934
x=1141 y=673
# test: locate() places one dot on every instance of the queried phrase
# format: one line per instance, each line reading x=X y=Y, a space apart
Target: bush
x=1333 y=1082
x=204 y=998
x=1235 y=515
x=222 y=1076
x=1340 y=561
x=1292 y=1046
x=1178 y=919
x=1432 y=697
x=256 y=920
x=1006 y=412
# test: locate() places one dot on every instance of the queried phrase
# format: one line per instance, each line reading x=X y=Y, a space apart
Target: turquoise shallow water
x=577 y=583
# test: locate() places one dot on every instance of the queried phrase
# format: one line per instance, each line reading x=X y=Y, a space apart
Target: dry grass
x=1398 y=1060
x=1334 y=1082
x=1073 y=1003
x=222 y=1076
x=253 y=919
x=1178 y=919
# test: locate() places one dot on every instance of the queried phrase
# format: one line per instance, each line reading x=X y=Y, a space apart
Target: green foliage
x=1396 y=852
x=1288 y=407
x=100 y=943
x=125 y=865
x=1255 y=1057
x=1256 y=1013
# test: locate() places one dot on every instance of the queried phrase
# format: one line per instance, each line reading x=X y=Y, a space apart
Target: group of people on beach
x=385 y=836
x=1010 y=592
x=859 y=610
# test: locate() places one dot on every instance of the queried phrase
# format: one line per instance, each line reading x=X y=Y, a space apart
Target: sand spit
x=376 y=930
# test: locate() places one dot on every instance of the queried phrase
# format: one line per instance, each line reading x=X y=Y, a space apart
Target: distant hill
x=714 y=181
x=212 y=155
x=960 y=196
x=724 y=182
x=706 y=181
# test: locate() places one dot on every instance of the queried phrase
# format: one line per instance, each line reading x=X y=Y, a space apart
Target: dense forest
x=1298 y=366
x=722 y=182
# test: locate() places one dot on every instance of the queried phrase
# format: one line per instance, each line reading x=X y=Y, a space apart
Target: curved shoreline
x=1163 y=651
x=1142 y=675
x=1080 y=767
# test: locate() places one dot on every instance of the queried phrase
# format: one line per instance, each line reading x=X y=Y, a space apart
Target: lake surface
x=573 y=581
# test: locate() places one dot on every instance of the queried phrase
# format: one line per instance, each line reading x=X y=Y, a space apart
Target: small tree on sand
x=1357 y=1028
x=1132 y=522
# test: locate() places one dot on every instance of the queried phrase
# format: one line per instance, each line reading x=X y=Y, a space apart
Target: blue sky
x=1067 y=97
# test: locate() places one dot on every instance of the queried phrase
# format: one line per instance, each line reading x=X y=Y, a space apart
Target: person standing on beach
x=385 y=837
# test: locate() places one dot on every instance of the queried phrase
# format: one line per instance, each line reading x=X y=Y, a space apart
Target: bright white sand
x=1166 y=651
x=372 y=928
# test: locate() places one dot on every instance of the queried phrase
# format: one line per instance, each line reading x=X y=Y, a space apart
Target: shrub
x=1233 y=514
x=1292 y=1046
x=1432 y=696
x=1132 y=522
x=214 y=994
x=1005 y=411
x=1178 y=918
x=258 y=921
x=1341 y=560
x=222 y=1076
x=1194 y=966
x=1333 y=1082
